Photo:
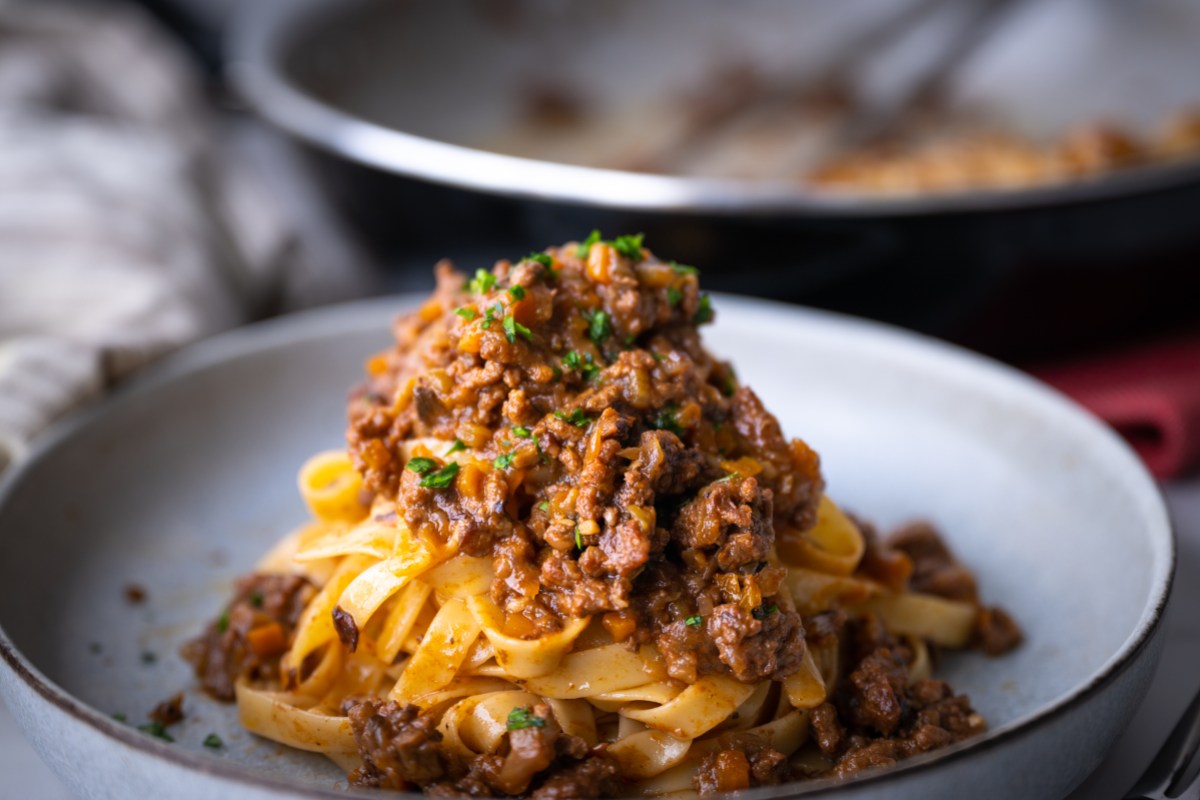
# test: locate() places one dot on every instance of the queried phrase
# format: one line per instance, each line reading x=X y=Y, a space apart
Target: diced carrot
x=267 y=640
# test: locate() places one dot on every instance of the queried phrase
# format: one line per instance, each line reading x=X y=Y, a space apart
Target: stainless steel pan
x=428 y=92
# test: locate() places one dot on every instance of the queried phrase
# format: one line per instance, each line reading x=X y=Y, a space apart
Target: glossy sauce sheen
x=629 y=475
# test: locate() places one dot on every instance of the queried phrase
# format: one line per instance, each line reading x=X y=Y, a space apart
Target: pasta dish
x=567 y=554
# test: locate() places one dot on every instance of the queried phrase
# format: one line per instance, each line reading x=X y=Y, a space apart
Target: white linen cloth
x=132 y=220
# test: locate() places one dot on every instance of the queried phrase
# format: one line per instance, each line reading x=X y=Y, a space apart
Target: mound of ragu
x=626 y=472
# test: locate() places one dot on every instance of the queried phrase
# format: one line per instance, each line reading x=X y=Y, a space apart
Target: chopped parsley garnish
x=668 y=420
x=544 y=505
x=629 y=245
x=694 y=621
x=223 y=621
x=467 y=313
x=456 y=447
x=705 y=312
x=578 y=538
x=576 y=418
x=520 y=718
x=674 y=296
x=586 y=366
x=421 y=465
x=256 y=599
x=522 y=431
x=504 y=461
x=585 y=246
x=483 y=281
x=156 y=729
x=513 y=329
x=440 y=479
x=684 y=269
x=765 y=611
x=542 y=258
x=517 y=292
x=213 y=741
x=119 y=717
x=599 y=325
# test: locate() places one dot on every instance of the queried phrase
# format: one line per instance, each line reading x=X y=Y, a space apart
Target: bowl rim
x=265 y=33
x=355 y=317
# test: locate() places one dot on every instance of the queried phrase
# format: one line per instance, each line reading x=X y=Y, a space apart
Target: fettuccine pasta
x=566 y=555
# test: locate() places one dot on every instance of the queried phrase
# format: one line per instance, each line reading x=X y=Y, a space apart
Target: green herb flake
x=483 y=281
x=520 y=718
x=542 y=258
x=578 y=538
x=442 y=478
x=572 y=360
x=256 y=599
x=458 y=446
x=673 y=296
x=577 y=417
x=420 y=465
x=223 y=621
x=517 y=292
x=544 y=506
x=629 y=245
x=599 y=325
x=119 y=717
x=156 y=729
x=513 y=329
x=489 y=316
x=694 y=621
x=504 y=461
x=522 y=432
x=213 y=741
x=765 y=611
x=668 y=420
x=705 y=312
x=585 y=246
x=467 y=313
x=684 y=269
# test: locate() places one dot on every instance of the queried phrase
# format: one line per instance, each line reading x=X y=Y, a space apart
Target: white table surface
x=22 y=774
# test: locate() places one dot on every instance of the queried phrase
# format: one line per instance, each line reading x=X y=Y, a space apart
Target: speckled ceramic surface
x=183 y=479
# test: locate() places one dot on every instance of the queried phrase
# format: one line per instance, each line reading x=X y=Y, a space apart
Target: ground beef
x=730 y=518
x=595 y=776
x=875 y=690
x=234 y=646
x=876 y=718
x=935 y=570
x=751 y=764
x=169 y=711
x=401 y=750
x=755 y=648
x=996 y=632
x=826 y=729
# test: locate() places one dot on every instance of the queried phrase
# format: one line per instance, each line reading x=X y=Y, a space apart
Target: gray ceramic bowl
x=180 y=481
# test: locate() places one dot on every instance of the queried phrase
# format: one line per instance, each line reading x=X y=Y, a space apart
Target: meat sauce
x=632 y=479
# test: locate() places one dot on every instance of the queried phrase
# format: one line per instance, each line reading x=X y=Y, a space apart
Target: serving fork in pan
x=1174 y=772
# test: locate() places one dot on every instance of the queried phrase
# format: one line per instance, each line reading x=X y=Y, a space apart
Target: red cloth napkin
x=1150 y=394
